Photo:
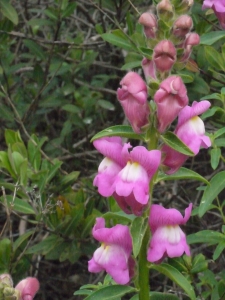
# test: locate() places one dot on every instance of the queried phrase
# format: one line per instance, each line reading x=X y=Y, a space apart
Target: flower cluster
x=128 y=173
x=26 y=289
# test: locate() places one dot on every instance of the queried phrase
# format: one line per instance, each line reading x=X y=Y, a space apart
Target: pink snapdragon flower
x=112 y=164
x=148 y=67
x=170 y=99
x=218 y=6
x=191 y=131
x=182 y=26
x=133 y=98
x=168 y=240
x=164 y=55
x=192 y=39
x=131 y=185
x=28 y=288
x=114 y=255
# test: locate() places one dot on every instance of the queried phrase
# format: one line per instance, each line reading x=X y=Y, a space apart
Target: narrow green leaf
x=119 y=39
x=215 y=157
x=158 y=296
x=214 y=58
x=209 y=237
x=176 y=277
x=137 y=230
x=18 y=205
x=120 y=215
x=118 y=130
x=5 y=255
x=182 y=173
x=219 y=132
x=131 y=65
x=219 y=249
x=110 y=292
x=106 y=105
x=211 y=37
x=35 y=49
x=217 y=184
x=174 y=142
x=83 y=292
x=21 y=239
x=71 y=108
x=9 y=11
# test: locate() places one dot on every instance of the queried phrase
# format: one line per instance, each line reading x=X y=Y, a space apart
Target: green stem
x=143 y=269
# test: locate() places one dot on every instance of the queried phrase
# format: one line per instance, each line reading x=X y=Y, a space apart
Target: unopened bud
x=6 y=280
x=182 y=26
x=148 y=68
x=149 y=21
x=164 y=55
x=165 y=9
x=192 y=39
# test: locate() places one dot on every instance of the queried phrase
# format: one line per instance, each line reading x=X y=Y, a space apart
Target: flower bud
x=6 y=280
x=149 y=21
x=164 y=55
x=164 y=9
x=148 y=68
x=133 y=98
x=182 y=26
x=192 y=39
x=28 y=288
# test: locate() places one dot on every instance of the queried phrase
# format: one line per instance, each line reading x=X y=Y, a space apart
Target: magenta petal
x=160 y=216
x=28 y=287
x=94 y=267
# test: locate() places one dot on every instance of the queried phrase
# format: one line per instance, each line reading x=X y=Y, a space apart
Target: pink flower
x=191 y=130
x=28 y=288
x=170 y=99
x=131 y=185
x=112 y=164
x=164 y=55
x=218 y=7
x=133 y=98
x=149 y=21
x=168 y=240
x=114 y=255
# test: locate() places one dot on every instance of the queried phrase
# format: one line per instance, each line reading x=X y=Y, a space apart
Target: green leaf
x=71 y=108
x=12 y=137
x=69 y=179
x=174 y=142
x=176 y=277
x=118 y=130
x=83 y=292
x=214 y=58
x=21 y=239
x=9 y=11
x=137 y=230
x=211 y=37
x=199 y=264
x=110 y=292
x=119 y=39
x=217 y=184
x=205 y=236
x=219 y=249
x=5 y=255
x=18 y=205
x=46 y=245
x=219 y=132
x=106 y=105
x=215 y=157
x=131 y=65
x=182 y=173
x=35 y=49
x=158 y=296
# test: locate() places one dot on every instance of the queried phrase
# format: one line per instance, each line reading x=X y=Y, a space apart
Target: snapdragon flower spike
x=164 y=55
x=28 y=288
x=191 y=130
x=218 y=7
x=133 y=98
x=131 y=185
x=168 y=240
x=112 y=164
x=114 y=255
x=170 y=99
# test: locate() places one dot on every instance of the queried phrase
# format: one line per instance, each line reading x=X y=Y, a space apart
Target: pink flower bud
x=148 y=68
x=6 y=279
x=192 y=39
x=170 y=99
x=164 y=55
x=218 y=6
x=182 y=26
x=149 y=21
x=133 y=98
x=28 y=288
x=164 y=9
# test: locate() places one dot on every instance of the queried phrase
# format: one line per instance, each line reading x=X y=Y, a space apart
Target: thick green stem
x=143 y=268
